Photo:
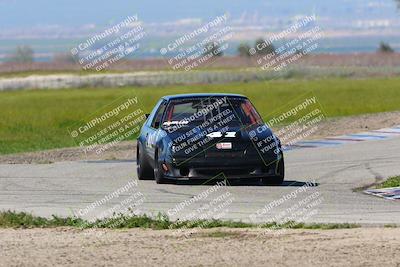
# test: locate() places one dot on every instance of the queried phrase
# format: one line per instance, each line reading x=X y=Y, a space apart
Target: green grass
x=24 y=220
x=10 y=219
x=390 y=226
x=39 y=119
x=391 y=182
x=326 y=226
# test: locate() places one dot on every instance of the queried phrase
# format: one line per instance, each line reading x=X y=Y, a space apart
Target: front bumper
x=229 y=168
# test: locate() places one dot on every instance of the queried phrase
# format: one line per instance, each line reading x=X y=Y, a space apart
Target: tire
x=143 y=168
x=278 y=179
x=158 y=173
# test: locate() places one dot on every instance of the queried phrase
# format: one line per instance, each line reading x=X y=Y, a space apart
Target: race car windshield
x=195 y=111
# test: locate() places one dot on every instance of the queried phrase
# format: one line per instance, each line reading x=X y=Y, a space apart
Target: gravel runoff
x=210 y=247
x=127 y=150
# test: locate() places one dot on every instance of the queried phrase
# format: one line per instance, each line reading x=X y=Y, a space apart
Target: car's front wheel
x=158 y=170
x=143 y=168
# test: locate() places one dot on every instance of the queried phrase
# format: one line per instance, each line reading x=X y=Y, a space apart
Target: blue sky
x=25 y=13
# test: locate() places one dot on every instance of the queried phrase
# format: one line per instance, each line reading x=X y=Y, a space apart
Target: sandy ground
x=127 y=150
x=234 y=247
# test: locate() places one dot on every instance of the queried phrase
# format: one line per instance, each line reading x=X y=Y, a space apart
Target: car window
x=179 y=111
x=158 y=116
x=186 y=110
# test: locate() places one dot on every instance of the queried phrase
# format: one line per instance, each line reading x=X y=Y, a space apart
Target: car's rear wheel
x=158 y=170
x=144 y=170
x=279 y=178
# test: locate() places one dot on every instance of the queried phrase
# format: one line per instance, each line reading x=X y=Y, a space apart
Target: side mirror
x=147 y=115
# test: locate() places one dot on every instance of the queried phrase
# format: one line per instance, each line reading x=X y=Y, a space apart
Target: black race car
x=205 y=136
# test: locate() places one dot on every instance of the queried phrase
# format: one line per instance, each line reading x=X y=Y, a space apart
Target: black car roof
x=183 y=96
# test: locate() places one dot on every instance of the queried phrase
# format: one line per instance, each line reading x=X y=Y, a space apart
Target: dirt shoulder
x=211 y=247
x=127 y=150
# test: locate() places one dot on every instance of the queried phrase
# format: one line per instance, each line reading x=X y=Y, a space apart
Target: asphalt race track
x=65 y=188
